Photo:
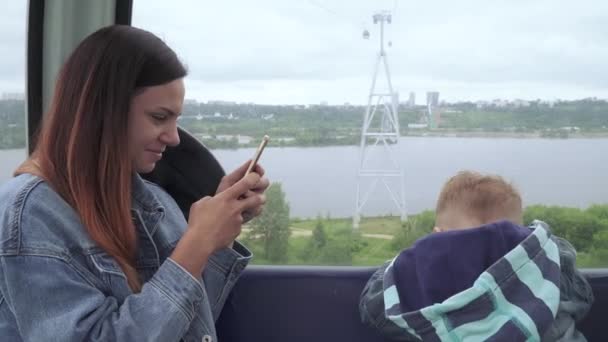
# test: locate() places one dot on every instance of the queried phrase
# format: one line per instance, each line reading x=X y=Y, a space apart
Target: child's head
x=470 y=199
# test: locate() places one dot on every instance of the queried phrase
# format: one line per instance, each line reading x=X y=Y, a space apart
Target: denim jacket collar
x=145 y=206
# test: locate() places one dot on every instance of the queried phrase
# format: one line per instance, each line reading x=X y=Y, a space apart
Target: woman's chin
x=146 y=168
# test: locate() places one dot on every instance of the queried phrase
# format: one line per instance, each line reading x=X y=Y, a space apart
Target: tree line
x=334 y=242
x=341 y=125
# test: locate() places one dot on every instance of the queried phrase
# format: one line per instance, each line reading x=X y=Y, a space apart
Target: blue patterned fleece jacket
x=497 y=282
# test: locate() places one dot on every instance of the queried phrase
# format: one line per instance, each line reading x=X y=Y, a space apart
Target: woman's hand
x=214 y=222
x=258 y=189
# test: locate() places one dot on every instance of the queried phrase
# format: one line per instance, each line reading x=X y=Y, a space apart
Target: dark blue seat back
x=291 y=303
x=593 y=325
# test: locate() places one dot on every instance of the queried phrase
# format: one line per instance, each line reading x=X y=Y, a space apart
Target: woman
x=89 y=250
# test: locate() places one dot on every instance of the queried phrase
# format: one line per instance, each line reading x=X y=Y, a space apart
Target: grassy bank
x=332 y=241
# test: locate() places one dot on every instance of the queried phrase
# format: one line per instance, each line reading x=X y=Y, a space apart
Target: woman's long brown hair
x=82 y=150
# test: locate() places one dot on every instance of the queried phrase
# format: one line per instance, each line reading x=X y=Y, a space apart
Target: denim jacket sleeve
x=221 y=273
x=224 y=266
x=70 y=308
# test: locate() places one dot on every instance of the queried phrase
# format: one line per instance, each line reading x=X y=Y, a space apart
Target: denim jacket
x=57 y=284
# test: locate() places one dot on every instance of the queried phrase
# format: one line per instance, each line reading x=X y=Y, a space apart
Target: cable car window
x=12 y=87
x=372 y=105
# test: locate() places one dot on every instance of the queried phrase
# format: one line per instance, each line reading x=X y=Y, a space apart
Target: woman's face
x=153 y=123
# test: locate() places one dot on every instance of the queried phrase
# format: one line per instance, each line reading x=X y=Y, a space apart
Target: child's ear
x=437 y=230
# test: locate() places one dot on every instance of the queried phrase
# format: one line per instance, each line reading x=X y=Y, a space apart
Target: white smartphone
x=257 y=155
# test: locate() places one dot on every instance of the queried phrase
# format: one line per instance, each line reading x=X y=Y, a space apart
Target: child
x=482 y=276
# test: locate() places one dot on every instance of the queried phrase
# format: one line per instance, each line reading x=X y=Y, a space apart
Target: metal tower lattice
x=383 y=131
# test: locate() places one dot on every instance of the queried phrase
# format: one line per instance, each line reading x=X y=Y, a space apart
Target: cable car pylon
x=382 y=132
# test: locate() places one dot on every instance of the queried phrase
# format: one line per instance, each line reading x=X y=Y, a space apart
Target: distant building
x=432 y=98
x=520 y=103
x=449 y=110
x=13 y=96
x=223 y=103
x=548 y=103
x=498 y=103
x=411 y=102
x=417 y=125
x=482 y=104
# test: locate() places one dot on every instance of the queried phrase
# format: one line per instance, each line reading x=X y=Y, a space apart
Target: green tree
x=341 y=245
x=319 y=237
x=272 y=226
x=414 y=228
x=316 y=244
x=599 y=210
x=573 y=224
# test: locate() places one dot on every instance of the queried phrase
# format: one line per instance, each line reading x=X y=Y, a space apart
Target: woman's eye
x=159 y=117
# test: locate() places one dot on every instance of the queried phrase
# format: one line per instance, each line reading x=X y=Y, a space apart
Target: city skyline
x=402 y=101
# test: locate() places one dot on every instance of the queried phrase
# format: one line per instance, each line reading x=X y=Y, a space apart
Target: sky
x=310 y=51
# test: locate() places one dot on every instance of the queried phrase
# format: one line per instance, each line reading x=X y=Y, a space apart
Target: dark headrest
x=187 y=172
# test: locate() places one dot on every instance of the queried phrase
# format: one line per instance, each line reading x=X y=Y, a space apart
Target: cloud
x=469 y=48
x=12 y=47
x=472 y=43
